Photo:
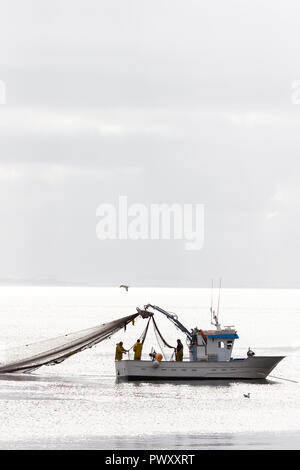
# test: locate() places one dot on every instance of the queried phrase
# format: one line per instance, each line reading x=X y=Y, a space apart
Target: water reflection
x=197 y=383
x=267 y=440
x=100 y=379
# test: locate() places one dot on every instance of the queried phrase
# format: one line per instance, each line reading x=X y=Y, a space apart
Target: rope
x=143 y=335
x=280 y=378
x=145 y=331
x=158 y=335
x=157 y=332
x=158 y=342
x=161 y=337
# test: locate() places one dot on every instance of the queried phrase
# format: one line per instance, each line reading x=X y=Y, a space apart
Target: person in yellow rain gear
x=179 y=351
x=120 y=351
x=137 y=348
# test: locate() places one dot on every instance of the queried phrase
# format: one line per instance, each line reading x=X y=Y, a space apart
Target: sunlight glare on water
x=80 y=402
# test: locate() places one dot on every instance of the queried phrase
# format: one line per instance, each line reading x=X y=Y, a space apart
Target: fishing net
x=162 y=342
x=54 y=351
x=142 y=337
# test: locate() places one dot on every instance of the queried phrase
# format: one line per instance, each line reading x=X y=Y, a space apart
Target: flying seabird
x=125 y=287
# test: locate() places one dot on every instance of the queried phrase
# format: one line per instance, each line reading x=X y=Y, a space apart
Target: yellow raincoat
x=137 y=348
x=179 y=355
x=119 y=352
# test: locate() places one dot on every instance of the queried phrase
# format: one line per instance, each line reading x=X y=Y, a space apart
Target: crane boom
x=173 y=318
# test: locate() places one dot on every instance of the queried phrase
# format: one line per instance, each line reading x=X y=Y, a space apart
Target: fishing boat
x=210 y=352
x=210 y=356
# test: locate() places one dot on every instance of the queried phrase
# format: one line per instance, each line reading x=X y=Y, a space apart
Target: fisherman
x=179 y=351
x=156 y=356
x=250 y=353
x=120 y=351
x=194 y=335
x=137 y=348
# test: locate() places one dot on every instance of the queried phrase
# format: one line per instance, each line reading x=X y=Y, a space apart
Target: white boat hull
x=258 y=367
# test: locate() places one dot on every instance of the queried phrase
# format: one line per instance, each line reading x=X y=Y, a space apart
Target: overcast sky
x=165 y=102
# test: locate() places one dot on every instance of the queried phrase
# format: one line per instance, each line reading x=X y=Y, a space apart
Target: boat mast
x=211 y=301
x=214 y=315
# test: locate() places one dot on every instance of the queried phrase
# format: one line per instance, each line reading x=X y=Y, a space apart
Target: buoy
x=155 y=363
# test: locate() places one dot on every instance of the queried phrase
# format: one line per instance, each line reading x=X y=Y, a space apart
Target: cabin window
x=220 y=344
x=229 y=344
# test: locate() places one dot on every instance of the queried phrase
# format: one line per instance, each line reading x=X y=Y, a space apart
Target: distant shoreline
x=49 y=283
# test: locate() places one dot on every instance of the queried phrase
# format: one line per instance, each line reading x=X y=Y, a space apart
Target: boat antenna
x=218 y=309
x=212 y=302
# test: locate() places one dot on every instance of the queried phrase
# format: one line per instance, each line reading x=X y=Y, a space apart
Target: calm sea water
x=78 y=404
